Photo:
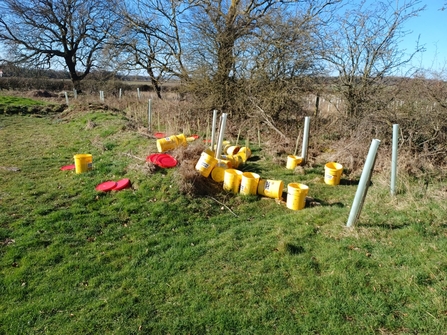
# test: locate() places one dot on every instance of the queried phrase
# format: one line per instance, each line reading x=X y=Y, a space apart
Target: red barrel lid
x=160 y=135
x=152 y=158
x=166 y=161
x=68 y=167
x=122 y=184
x=106 y=186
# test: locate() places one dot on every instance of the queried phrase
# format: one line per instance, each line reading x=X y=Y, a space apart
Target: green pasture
x=150 y=260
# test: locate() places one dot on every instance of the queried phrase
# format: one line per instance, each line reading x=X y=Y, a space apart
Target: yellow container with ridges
x=249 y=183
x=293 y=161
x=83 y=163
x=206 y=164
x=271 y=188
x=296 y=196
x=232 y=180
x=332 y=173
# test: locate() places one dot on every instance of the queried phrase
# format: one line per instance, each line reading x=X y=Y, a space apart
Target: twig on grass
x=130 y=155
x=223 y=205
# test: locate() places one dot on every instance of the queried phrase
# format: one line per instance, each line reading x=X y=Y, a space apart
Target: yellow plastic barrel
x=236 y=160
x=293 y=161
x=206 y=164
x=232 y=180
x=182 y=140
x=167 y=143
x=83 y=162
x=224 y=162
x=332 y=173
x=232 y=150
x=296 y=196
x=270 y=188
x=249 y=183
x=218 y=174
x=244 y=153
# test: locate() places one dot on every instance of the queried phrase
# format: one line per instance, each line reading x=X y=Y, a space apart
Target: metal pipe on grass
x=305 y=139
x=221 y=135
x=297 y=142
x=394 y=158
x=66 y=98
x=362 y=188
x=213 y=128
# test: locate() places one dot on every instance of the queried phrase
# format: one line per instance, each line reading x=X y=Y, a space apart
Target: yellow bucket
x=83 y=162
x=167 y=143
x=293 y=161
x=244 y=153
x=218 y=174
x=182 y=140
x=296 y=196
x=206 y=164
x=236 y=160
x=225 y=163
x=232 y=150
x=232 y=180
x=332 y=173
x=249 y=183
x=270 y=188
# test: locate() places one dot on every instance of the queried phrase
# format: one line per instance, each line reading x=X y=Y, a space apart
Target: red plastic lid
x=122 y=184
x=160 y=135
x=195 y=136
x=166 y=161
x=152 y=158
x=106 y=186
x=68 y=167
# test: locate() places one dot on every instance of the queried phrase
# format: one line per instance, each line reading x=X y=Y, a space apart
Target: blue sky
x=431 y=27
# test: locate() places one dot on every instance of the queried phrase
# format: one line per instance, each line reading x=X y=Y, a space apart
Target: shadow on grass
x=389 y=226
x=316 y=202
x=293 y=249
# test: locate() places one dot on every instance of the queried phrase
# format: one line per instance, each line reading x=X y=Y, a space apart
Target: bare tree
x=44 y=32
x=363 y=48
x=151 y=39
x=231 y=39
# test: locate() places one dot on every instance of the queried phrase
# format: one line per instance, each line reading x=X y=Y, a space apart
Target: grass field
x=150 y=260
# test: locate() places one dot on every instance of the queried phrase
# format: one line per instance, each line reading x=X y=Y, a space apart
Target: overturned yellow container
x=167 y=143
x=244 y=153
x=206 y=164
x=232 y=150
x=83 y=163
x=270 y=188
x=293 y=161
x=232 y=180
x=218 y=174
x=332 y=173
x=171 y=142
x=249 y=183
x=236 y=160
x=182 y=140
x=296 y=196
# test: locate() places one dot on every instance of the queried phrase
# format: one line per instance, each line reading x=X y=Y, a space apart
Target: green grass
x=150 y=260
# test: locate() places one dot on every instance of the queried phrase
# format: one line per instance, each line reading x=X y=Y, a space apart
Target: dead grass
x=190 y=181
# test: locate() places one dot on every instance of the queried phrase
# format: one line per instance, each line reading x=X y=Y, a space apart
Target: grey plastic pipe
x=362 y=188
x=394 y=158
x=221 y=135
x=213 y=128
x=305 y=139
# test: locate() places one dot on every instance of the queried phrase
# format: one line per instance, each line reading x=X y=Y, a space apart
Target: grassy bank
x=150 y=260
